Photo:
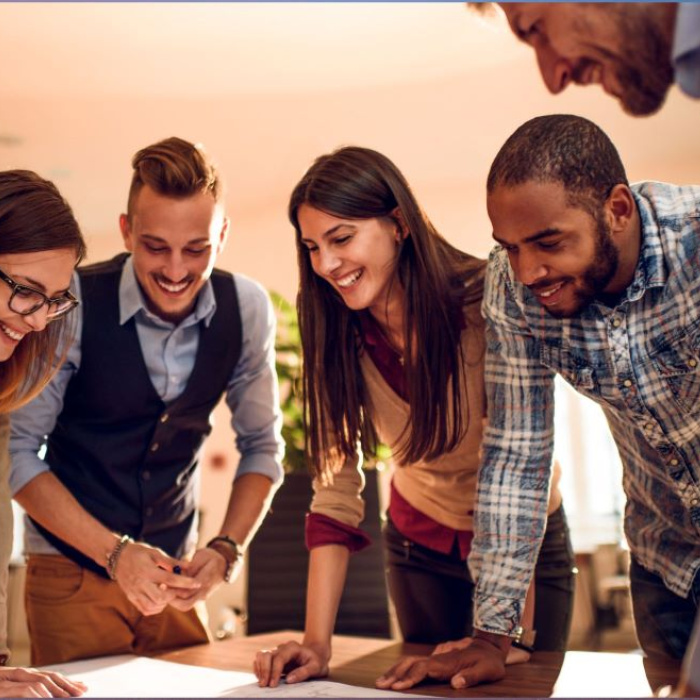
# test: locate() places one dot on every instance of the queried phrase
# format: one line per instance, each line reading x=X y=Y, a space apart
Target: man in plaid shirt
x=597 y=281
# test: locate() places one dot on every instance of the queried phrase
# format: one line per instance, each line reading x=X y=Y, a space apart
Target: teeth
x=173 y=288
x=551 y=291
x=10 y=333
x=350 y=279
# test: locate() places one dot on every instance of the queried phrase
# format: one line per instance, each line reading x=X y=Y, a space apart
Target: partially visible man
x=113 y=505
x=634 y=51
x=596 y=281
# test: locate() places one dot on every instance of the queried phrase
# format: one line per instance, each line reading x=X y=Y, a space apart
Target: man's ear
x=223 y=234
x=125 y=228
x=620 y=207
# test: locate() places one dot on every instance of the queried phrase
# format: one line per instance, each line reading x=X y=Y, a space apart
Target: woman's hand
x=30 y=683
x=298 y=661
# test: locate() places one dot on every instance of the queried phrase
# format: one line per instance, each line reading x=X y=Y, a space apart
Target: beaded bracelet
x=113 y=558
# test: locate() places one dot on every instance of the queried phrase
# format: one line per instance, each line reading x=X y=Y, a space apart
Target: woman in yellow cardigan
x=393 y=349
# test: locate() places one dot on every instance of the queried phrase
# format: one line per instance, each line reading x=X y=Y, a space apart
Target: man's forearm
x=50 y=503
x=250 y=500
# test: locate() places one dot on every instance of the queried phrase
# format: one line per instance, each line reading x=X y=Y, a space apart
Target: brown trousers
x=73 y=613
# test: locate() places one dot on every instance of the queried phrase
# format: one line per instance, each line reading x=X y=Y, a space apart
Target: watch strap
x=524 y=638
x=229 y=550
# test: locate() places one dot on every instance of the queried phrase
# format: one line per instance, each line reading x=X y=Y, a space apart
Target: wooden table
x=358 y=661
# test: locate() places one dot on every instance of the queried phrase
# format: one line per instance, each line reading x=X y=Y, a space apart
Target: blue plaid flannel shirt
x=640 y=361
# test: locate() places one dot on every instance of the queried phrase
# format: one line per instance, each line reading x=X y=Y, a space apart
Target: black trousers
x=433 y=592
x=663 y=620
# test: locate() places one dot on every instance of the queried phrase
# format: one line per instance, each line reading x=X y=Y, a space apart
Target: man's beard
x=597 y=276
x=643 y=68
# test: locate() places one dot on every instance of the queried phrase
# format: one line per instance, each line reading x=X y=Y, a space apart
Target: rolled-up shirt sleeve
x=340 y=498
x=253 y=392
x=513 y=481
x=32 y=424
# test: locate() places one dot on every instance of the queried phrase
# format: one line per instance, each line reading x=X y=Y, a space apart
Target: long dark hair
x=438 y=281
x=34 y=217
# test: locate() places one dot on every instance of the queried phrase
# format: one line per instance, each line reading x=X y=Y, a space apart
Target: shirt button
x=164 y=418
x=692 y=362
x=674 y=462
x=154 y=447
x=627 y=383
x=146 y=475
x=616 y=322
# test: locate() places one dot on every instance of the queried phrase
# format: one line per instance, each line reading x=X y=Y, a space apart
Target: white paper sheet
x=129 y=676
x=590 y=675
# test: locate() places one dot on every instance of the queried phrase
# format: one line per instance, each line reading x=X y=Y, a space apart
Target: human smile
x=349 y=280
x=12 y=334
x=549 y=295
x=173 y=288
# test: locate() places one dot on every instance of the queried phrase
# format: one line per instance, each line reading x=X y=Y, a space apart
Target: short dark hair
x=175 y=168
x=484 y=8
x=560 y=148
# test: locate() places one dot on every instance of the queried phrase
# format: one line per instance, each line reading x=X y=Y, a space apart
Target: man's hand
x=299 y=661
x=30 y=683
x=145 y=575
x=208 y=568
x=480 y=662
x=515 y=656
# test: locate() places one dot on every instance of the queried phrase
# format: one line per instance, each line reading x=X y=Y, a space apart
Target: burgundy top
x=414 y=525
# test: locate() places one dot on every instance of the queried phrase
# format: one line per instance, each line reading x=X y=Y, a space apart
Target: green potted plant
x=278 y=561
x=288 y=365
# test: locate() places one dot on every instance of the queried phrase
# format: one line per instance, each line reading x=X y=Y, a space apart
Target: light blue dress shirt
x=169 y=351
x=686 y=48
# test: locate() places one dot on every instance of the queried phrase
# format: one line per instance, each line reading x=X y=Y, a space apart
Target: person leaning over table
x=595 y=280
x=634 y=50
x=40 y=245
x=393 y=350
x=112 y=508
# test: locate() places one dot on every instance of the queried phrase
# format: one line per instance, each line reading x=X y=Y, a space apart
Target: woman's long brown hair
x=34 y=217
x=438 y=281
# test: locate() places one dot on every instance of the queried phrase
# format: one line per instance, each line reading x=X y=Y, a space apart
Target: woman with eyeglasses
x=40 y=245
x=393 y=345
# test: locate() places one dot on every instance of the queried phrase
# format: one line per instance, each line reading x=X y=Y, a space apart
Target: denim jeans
x=663 y=620
x=432 y=592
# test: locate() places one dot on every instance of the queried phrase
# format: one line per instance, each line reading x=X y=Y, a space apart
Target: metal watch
x=524 y=638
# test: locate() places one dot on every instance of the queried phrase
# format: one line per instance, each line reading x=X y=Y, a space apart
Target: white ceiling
x=205 y=49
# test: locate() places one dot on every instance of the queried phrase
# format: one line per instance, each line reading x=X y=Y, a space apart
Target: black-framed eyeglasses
x=27 y=300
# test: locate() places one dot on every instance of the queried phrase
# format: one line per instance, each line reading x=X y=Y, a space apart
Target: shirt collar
x=131 y=300
x=686 y=48
x=651 y=267
x=686 y=37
